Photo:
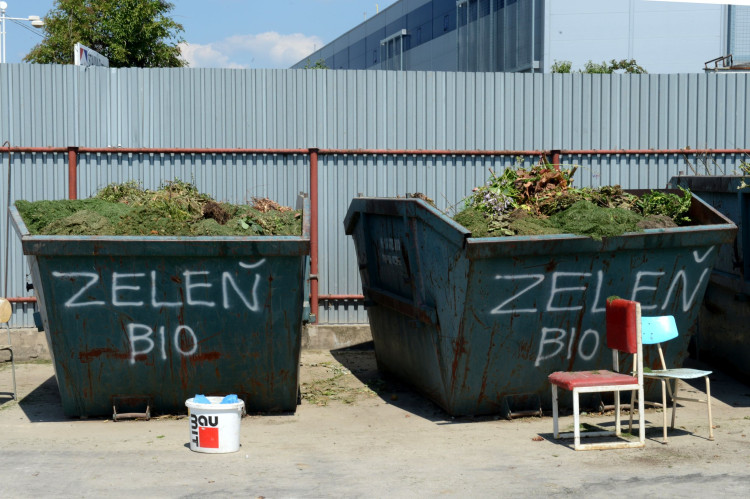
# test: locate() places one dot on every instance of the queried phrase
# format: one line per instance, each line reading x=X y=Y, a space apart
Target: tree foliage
x=562 y=67
x=130 y=33
x=319 y=64
x=624 y=65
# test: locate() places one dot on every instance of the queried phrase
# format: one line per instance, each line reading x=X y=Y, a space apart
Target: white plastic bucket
x=215 y=427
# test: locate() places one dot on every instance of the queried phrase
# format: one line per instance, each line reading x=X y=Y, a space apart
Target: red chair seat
x=578 y=379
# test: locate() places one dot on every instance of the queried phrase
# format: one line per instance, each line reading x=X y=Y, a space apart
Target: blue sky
x=232 y=33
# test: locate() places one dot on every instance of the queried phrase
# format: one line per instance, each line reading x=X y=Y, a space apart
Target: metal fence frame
x=334 y=296
x=245 y=133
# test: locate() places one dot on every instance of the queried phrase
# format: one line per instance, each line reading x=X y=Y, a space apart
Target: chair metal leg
x=576 y=421
x=632 y=404
x=618 y=430
x=9 y=348
x=641 y=417
x=555 y=413
x=674 y=399
x=708 y=402
x=13 y=371
x=664 y=408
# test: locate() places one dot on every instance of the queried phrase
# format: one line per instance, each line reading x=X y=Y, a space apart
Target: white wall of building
x=663 y=37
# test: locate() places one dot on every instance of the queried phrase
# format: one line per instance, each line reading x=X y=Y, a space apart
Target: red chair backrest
x=622 y=325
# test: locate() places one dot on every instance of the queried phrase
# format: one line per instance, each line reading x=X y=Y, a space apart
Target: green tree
x=562 y=67
x=624 y=65
x=130 y=33
x=319 y=64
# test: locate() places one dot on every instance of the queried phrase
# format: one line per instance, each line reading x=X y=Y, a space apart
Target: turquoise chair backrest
x=658 y=329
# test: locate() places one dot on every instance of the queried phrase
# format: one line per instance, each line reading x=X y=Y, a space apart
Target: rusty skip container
x=477 y=324
x=145 y=323
x=723 y=333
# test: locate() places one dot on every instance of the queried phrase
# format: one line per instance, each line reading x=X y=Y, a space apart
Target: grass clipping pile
x=541 y=201
x=177 y=208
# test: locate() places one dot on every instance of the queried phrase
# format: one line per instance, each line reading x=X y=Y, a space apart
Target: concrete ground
x=357 y=434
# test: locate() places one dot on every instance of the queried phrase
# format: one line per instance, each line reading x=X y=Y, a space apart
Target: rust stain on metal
x=487 y=365
x=184 y=374
x=208 y=356
x=95 y=353
x=459 y=348
x=140 y=357
x=526 y=350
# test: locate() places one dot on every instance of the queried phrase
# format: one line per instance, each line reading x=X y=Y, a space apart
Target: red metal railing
x=313 y=153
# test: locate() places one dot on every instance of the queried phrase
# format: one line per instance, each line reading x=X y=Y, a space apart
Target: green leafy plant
x=541 y=201
x=668 y=204
x=114 y=193
x=535 y=190
x=177 y=208
x=745 y=169
x=562 y=67
x=591 y=67
x=249 y=224
x=319 y=64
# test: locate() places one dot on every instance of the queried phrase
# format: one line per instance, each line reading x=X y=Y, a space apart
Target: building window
x=419 y=36
x=374 y=56
x=445 y=23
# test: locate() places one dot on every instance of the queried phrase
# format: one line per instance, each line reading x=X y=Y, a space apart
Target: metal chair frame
x=636 y=385
x=9 y=348
x=657 y=330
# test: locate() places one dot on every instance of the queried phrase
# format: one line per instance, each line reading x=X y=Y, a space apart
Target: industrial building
x=530 y=35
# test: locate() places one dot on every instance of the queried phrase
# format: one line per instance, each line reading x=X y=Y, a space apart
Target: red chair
x=623 y=335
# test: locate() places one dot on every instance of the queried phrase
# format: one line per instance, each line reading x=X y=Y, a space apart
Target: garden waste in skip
x=145 y=321
x=477 y=324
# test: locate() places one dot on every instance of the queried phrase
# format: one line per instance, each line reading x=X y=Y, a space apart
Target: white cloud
x=263 y=50
x=283 y=50
x=205 y=56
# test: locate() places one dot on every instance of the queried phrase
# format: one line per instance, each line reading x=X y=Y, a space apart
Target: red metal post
x=72 y=173
x=314 y=232
x=556 y=159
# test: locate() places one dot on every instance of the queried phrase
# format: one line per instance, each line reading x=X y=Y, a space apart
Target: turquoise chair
x=655 y=331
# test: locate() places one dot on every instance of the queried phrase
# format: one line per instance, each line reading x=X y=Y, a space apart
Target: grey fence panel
x=50 y=105
x=447 y=179
x=32 y=176
x=47 y=105
x=234 y=178
x=647 y=171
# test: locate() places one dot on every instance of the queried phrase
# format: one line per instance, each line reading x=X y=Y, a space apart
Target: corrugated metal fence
x=62 y=106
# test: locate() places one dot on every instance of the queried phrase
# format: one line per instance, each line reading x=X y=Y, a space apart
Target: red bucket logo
x=205 y=431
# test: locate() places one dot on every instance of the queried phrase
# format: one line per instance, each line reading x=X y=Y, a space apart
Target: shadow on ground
x=43 y=404
x=361 y=362
x=723 y=387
